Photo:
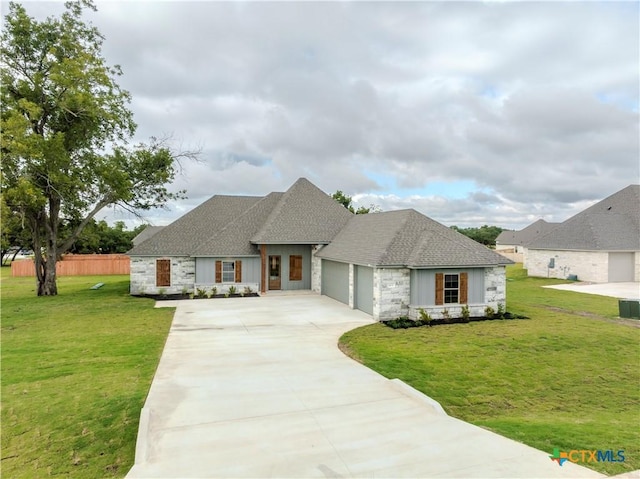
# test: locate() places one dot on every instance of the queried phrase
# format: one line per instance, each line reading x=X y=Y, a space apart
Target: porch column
x=263 y=268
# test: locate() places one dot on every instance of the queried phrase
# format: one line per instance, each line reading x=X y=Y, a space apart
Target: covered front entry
x=335 y=280
x=364 y=289
x=285 y=267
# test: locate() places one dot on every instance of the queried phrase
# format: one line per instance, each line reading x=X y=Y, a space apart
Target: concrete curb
x=143 y=436
x=415 y=394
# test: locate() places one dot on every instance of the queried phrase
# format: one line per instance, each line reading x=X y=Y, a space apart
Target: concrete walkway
x=256 y=387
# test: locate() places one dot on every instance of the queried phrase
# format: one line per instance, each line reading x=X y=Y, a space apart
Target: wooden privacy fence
x=78 y=265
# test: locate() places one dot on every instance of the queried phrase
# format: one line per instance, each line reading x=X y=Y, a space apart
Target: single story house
x=386 y=264
x=600 y=244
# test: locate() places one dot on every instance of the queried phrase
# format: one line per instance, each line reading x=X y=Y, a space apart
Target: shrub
x=500 y=311
x=425 y=318
x=233 y=290
x=248 y=290
x=402 y=322
x=185 y=291
x=162 y=291
x=489 y=312
x=214 y=290
x=445 y=314
x=465 y=312
x=201 y=293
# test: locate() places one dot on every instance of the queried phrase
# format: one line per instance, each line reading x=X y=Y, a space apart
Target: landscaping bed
x=178 y=296
x=404 y=322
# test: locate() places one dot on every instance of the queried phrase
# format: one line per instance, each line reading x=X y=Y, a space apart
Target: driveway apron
x=256 y=387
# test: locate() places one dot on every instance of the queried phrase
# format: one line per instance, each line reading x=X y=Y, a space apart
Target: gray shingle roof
x=146 y=233
x=188 y=232
x=228 y=225
x=612 y=224
x=525 y=235
x=233 y=239
x=304 y=214
x=406 y=238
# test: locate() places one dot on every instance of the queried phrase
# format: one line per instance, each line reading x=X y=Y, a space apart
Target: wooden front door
x=274 y=272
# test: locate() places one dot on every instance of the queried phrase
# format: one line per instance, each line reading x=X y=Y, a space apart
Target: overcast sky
x=494 y=113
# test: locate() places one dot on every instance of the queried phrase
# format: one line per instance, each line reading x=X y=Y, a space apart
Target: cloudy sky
x=470 y=112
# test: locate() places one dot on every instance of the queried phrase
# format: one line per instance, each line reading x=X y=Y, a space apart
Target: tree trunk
x=47 y=286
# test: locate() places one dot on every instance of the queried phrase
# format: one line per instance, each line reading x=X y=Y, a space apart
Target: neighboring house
x=386 y=264
x=517 y=241
x=601 y=244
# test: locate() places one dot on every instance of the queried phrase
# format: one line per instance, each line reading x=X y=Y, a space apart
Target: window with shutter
x=228 y=272
x=295 y=268
x=163 y=272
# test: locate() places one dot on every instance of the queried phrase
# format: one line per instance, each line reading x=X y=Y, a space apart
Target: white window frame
x=445 y=289
x=227 y=271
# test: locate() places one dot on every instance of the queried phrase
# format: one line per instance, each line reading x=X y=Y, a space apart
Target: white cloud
x=534 y=103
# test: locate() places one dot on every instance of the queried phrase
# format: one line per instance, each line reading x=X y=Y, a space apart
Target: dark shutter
x=295 y=268
x=238 y=277
x=218 y=271
x=163 y=272
x=464 y=297
x=439 y=288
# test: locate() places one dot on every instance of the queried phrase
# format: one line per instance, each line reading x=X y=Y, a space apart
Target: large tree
x=65 y=131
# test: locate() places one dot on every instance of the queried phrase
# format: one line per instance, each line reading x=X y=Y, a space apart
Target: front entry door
x=274 y=272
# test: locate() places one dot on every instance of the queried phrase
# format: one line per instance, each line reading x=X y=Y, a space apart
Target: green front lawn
x=76 y=369
x=567 y=378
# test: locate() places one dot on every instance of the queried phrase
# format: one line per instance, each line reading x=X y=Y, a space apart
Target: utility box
x=629 y=308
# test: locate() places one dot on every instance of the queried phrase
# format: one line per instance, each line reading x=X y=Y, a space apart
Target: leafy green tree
x=347 y=202
x=65 y=131
x=485 y=234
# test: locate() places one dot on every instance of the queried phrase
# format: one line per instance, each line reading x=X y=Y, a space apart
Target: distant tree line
x=485 y=235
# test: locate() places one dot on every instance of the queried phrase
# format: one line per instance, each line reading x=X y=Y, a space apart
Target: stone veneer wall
x=391 y=293
x=316 y=269
x=586 y=265
x=143 y=275
x=495 y=287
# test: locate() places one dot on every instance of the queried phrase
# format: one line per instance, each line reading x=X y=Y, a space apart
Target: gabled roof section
x=187 y=233
x=146 y=233
x=612 y=224
x=234 y=238
x=406 y=238
x=304 y=215
x=525 y=235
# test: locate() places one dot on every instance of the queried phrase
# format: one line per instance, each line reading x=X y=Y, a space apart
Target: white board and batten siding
x=423 y=285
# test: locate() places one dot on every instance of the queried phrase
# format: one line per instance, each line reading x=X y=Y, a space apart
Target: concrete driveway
x=256 y=387
x=628 y=290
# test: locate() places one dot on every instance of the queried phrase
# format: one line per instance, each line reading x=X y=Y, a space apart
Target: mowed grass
x=567 y=378
x=76 y=369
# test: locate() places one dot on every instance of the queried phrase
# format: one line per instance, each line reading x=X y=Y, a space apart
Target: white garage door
x=620 y=267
